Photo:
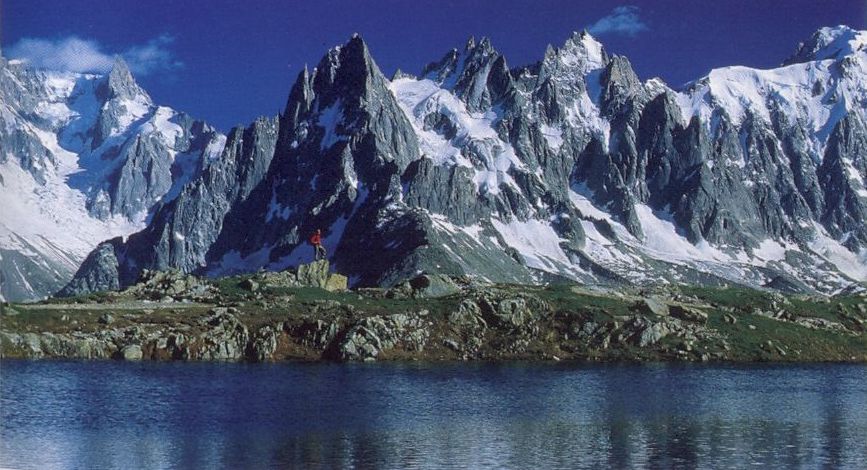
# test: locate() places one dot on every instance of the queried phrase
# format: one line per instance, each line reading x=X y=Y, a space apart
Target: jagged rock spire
x=119 y=83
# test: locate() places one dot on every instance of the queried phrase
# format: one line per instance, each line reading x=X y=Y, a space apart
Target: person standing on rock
x=318 y=250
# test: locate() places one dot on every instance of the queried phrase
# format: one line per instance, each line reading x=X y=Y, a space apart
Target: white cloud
x=622 y=20
x=74 y=54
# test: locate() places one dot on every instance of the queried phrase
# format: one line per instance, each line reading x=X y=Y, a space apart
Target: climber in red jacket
x=318 y=250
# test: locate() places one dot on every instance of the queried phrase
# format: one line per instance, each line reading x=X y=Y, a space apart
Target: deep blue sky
x=239 y=58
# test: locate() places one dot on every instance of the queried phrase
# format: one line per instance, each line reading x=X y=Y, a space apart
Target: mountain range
x=568 y=169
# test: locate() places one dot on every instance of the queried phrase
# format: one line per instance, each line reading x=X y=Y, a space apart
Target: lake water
x=198 y=415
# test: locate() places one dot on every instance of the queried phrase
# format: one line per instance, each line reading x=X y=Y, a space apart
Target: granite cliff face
x=569 y=168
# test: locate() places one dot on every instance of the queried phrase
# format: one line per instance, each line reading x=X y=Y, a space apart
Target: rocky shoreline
x=286 y=317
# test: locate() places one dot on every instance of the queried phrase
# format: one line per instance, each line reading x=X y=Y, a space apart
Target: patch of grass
x=563 y=298
x=34 y=319
x=799 y=342
x=740 y=298
x=230 y=287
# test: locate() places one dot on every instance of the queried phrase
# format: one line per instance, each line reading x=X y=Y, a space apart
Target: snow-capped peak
x=830 y=43
x=90 y=157
x=583 y=51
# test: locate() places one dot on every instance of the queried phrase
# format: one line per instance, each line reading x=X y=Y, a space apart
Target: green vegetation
x=513 y=321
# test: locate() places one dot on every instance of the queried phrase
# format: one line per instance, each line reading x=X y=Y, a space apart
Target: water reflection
x=113 y=415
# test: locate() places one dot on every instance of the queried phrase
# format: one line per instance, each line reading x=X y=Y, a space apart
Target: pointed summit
x=300 y=98
x=586 y=48
x=358 y=48
x=471 y=43
x=119 y=83
x=346 y=72
x=578 y=56
x=438 y=71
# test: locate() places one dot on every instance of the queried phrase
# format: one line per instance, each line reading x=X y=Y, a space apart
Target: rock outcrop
x=477 y=323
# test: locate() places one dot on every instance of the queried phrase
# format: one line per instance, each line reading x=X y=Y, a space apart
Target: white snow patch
x=329 y=119
x=663 y=242
x=442 y=222
x=161 y=123
x=536 y=242
x=553 y=135
x=215 y=147
x=851 y=264
x=128 y=111
x=581 y=198
x=840 y=41
x=770 y=250
x=51 y=216
x=475 y=144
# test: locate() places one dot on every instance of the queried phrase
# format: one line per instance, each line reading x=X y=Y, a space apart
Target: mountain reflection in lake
x=196 y=415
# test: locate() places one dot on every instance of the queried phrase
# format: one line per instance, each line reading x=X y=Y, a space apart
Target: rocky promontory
x=308 y=314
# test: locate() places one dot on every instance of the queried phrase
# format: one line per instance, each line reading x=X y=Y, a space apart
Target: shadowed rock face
x=100 y=272
x=570 y=168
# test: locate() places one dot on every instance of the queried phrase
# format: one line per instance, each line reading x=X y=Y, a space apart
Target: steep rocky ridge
x=570 y=168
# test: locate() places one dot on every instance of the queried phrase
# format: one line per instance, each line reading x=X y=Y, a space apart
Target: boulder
x=369 y=336
x=313 y=274
x=433 y=285
x=171 y=284
x=336 y=283
x=106 y=319
x=400 y=291
x=361 y=343
x=468 y=314
x=688 y=314
x=131 y=352
x=250 y=285
x=652 y=334
x=513 y=311
x=279 y=279
x=653 y=306
x=319 y=333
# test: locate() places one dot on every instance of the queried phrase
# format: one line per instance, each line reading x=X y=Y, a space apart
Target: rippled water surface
x=122 y=415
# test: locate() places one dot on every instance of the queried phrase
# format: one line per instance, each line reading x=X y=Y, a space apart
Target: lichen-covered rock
x=468 y=314
x=132 y=352
x=279 y=279
x=688 y=314
x=313 y=274
x=368 y=337
x=250 y=285
x=264 y=344
x=652 y=334
x=515 y=312
x=171 y=284
x=337 y=283
x=224 y=339
x=653 y=306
